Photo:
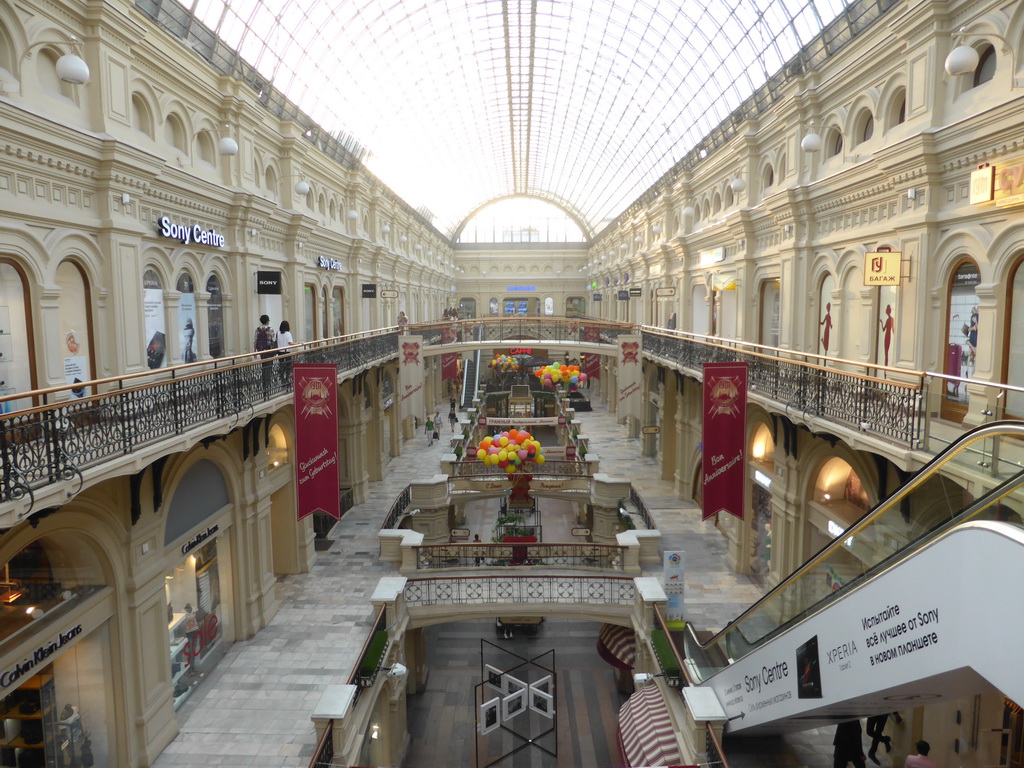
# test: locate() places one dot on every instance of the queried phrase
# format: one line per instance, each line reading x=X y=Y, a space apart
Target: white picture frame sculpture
x=489 y=716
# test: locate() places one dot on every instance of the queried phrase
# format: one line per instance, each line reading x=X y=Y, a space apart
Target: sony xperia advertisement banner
x=410 y=377
x=449 y=366
x=926 y=629
x=725 y=419
x=630 y=394
x=316 y=439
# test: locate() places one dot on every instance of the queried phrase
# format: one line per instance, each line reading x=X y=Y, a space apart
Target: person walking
x=848 y=746
x=430 y=430
x=453 y=418
x=264 y=343
x=875 y=726
x=478 y=559
x=437 y=425
x=284 y=339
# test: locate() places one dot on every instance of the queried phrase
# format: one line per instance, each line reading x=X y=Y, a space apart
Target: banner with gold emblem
x=725 y=418
x=316 y=439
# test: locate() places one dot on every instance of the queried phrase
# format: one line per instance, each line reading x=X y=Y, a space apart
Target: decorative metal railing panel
x=398 y=508
x=487 y=555
x=598 y=590
x=323 y=755
x=641 y=508
x=500 y=329
x=476 y=468
x=884 y=407
x=55 y=441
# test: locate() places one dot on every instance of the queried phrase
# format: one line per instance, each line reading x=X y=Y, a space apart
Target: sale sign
x=725 y=419
x=316 y=439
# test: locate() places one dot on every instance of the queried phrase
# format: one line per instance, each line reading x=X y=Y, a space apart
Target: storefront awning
x=617 y=646
x=646 y=736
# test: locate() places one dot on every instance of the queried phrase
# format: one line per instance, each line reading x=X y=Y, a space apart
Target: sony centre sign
x=187 y=235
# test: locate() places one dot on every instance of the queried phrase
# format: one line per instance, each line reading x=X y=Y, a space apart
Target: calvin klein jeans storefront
x=56 y=697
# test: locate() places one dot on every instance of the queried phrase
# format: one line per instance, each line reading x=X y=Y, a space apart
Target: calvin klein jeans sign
x=188 y=235
x=10 y=676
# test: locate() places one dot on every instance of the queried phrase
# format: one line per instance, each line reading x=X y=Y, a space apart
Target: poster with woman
x=153 y=320
x=885 y=328
x=187 y=320
x=963 y=329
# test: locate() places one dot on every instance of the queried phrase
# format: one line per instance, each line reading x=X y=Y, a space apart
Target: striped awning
x=617 y=646
x=646 y=735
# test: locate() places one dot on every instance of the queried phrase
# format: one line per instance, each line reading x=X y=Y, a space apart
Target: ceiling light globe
x=962 y=60
x=72 y=69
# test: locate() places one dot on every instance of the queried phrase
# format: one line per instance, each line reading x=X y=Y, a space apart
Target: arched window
x=897 y=112
x=309 y=304
x=142 y=116
x=338 y=307
x=174 y=132
x=834 y=142
x=865 y=126
x=270 y=182
x=205 y=147
x=770 y=309
x=716 y=203
x=323 y=313
x=17 y=369
x=75 y=330
x=706 y=211
x=1014 y=342
x=215 y=316
x=46 y=70
x=781 y=168
x=828 y=337
x=986 y=68
x=729 y=198
x=767 y=179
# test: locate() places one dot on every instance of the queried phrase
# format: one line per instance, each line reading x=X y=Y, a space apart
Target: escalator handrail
x=923 y=475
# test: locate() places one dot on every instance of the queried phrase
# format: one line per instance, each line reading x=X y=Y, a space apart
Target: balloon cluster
x=510 y=450
x=553 y=375
x=505 y=363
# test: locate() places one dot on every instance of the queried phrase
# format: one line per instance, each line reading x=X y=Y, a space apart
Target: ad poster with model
x=153 y=320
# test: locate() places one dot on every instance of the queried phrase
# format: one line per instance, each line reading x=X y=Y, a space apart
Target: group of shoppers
x=850 y=749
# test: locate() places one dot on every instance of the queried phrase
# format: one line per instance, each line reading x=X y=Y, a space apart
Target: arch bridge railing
x=553 y=468
x=520 y=590
x=886 y=402
x=75 y=427
x=578 y=330
x=465 y=555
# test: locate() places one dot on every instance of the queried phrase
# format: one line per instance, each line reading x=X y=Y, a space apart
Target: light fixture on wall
x=811 y=142
x=386 y=229
x=623 y=247
x=737 y=185
x=375 y=732
x=964 y=58
x=638 y=239
x=688 y=211
x=417 y=247
x=302 y=186
x=403 y=239
x=226 y=146
x=656 y=229
x=71 y=68
x=353 y=215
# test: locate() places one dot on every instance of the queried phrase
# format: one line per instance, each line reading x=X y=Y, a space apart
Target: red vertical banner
x=592 y=367
x=724 y=440
x=316 y=439
x=449 y=366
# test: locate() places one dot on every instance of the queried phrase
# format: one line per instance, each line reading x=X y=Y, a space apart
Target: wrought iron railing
x=476 y=468
x=371 y=657
x=323 y=755
x=398 y=508
x=488 y=555
x=520 y=590
x=55 y=441
x=637 y=500
x=888 y=403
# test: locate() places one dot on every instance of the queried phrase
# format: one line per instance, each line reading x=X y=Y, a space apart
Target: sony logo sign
x=187 y=235
x=326 y=262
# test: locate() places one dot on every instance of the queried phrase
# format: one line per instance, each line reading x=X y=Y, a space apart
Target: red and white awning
x=646 y=735
x=617 y=646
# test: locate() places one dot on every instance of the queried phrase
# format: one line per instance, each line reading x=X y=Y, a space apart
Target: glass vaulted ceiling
x=581 y=102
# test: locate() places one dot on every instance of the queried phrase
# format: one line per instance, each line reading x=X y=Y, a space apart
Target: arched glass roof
x=582 y=102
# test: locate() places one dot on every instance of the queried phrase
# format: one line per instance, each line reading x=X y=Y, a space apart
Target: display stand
x=30 y=737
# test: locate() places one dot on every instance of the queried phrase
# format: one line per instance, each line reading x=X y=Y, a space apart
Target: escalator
x=471 y=371
x=914 y=603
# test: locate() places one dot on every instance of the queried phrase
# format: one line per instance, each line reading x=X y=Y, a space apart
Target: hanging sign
x=634 y=292
x=664 y=293
x=723 y=455
x=316 y=439
x=268 y=283
x=882 y=267
x=983 y=182
x=369 y=290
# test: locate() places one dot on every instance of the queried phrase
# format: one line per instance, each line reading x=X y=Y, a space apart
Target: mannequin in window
x=190 y=623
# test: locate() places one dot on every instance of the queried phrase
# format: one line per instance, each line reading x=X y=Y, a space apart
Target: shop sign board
x=187 y=235
x=39 y=656
x=1009 y=184
x=636 y=291
x=665 y=293
x=389 y=294
x=882 y=267
x=369 y=291
x=198 y=539
x=329 y=263
x=983 y=183
x=268 y=283
x=316 y=439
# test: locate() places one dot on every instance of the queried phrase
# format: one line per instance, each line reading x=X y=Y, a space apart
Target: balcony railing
x=488 y=555
x=888 y=403
x=520 y=590
x=578 y=330
x=476 y=468
x=54 y=441
x=398 y=508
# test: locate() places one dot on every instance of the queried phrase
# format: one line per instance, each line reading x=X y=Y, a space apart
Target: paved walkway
x=253 y=709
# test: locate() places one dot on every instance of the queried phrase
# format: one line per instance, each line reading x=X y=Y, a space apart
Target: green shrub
x=374 y=654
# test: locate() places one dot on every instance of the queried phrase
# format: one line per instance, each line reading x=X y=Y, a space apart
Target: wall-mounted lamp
x=385 y=230
x=71 y=68
x=912 y=193
x=811 y=142
x=430 y=253
x=403 y=239
x=737 y=185
x=787 y=230
x=374 y=732
x=226 y=146
x=689 y=211
x=964 y=59
x=353 y=215
x=641 y=679
x=252 y=232
x=417 y=247
x=398 y=670
x=638 y=239
x=623 y=247
x=302 y=186
x=656 y=229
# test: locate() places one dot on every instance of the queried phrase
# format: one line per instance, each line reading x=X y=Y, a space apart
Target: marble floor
x=253 y=708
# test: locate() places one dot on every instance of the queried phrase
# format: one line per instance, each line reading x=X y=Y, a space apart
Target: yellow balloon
x=510 y=468
x=480 y=454
x=503 y=441
x=539 y=458
x=502 y=455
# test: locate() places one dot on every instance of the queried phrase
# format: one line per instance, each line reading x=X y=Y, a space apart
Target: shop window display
x=193 y=619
